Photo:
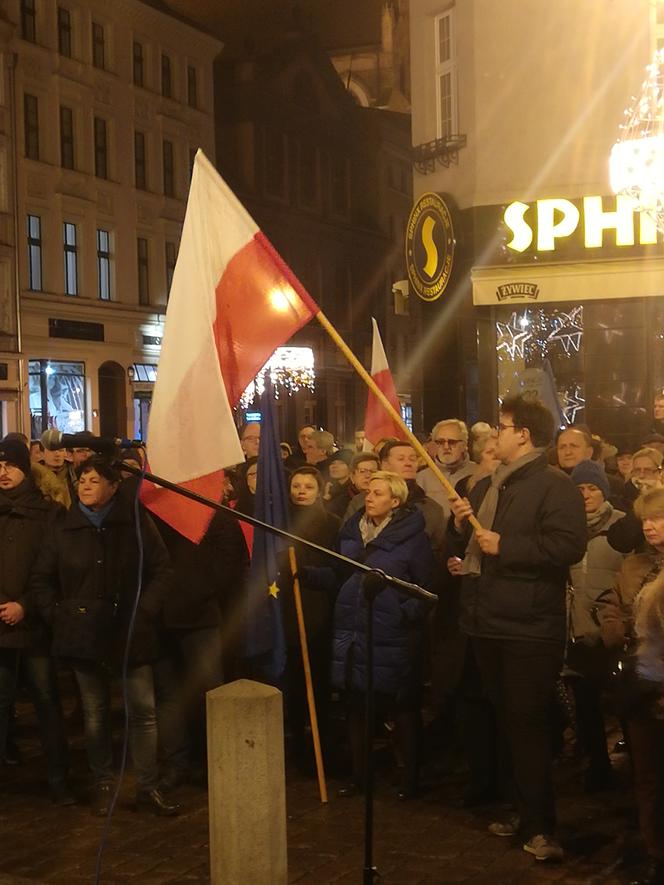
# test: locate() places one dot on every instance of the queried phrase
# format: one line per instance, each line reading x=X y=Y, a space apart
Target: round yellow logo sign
x=429 y=246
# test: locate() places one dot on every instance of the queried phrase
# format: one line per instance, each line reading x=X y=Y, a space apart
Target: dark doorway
x=112 y=400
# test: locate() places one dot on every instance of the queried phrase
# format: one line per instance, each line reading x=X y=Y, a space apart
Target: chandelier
x=636 y=164
x=289 y=368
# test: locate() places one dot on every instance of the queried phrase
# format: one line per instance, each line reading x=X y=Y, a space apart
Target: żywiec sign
x=552 y=225
x=517 y=291
x=429 y=246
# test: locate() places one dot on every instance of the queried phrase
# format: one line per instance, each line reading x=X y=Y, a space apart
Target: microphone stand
x=373 y=583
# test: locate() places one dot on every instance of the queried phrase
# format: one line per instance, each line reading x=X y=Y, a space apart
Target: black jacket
x=209 y=577
x=79 y=561
x=24 y=515
x=521 y=592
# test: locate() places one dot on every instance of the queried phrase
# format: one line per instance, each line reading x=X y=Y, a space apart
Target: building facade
x=329 y=183
x=512 y=127
x=103 y=107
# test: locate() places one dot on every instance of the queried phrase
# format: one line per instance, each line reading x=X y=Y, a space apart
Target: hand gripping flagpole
x=389 y=408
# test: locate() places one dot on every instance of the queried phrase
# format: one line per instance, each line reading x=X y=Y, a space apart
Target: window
x=339 y=186
x=34 y=253
x=171 y=258
x=308 y=175
x=166 y=76
x=192 y=87
x=57 y=396
x=143 y=271
x=446 y=75
x=275 y=163
x=169 y=179
x=31 y=126
x=98 y=46
x=101 y=148
x=104 y=264
x=28 y=21
x=140 y=171
x=66 y=137
x=138 y=63
x=64 y=31
x=71 y=258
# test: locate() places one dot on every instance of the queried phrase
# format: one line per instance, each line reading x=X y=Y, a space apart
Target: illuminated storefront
x=580 y=283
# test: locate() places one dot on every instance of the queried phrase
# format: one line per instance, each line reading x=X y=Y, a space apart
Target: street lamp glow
x=279 y=300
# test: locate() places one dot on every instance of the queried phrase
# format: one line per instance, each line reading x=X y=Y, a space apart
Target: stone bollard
x=246 y=784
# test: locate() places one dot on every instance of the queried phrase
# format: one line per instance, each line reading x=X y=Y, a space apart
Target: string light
x=290 y=369
x=636 y=163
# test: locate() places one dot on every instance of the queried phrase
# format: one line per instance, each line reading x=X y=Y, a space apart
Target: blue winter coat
x=403 y=550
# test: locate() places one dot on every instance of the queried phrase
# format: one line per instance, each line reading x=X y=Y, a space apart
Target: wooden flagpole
x=322 y=786
x=389 y=408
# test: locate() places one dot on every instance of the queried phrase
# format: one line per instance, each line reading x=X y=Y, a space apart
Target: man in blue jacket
x=513 y=603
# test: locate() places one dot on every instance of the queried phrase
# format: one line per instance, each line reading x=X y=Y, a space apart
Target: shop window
x=101 y=148
x=142 y=403
x=64 y=31
x=28 y=21
x=57 y=396
x=140 y=168
x=446 y=75
x=31 y=126
x=137 y=63
x=34 y=253
x=168 y=169
x=166 y=83
x=104 y=264
x=98 y=46
x=66 y=137
x=143 y=270
x=70 y=258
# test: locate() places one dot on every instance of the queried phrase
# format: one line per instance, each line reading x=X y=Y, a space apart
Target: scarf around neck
x=369 y=530
x=472 y=561
x=598 y=519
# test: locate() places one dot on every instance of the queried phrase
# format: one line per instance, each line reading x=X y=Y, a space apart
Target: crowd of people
x=548 y=564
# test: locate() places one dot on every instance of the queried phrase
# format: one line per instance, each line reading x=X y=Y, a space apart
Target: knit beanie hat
x=591 y=472
x=15 y=452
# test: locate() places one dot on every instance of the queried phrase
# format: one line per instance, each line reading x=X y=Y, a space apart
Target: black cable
x=125 y=697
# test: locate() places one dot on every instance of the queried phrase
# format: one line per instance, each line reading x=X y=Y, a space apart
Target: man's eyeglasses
x=365 y=471
x=448 y=442
x=501 y=427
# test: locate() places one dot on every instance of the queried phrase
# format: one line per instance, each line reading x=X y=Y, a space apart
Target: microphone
x=55 y=439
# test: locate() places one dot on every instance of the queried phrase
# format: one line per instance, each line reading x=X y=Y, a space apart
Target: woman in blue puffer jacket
x=390 y=536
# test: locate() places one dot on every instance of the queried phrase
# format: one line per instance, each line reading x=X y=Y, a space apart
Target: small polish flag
x=233 y=301
x=377 y=423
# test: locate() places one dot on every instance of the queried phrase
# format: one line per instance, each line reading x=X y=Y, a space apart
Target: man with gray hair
x=450 y=437
x=318 y=448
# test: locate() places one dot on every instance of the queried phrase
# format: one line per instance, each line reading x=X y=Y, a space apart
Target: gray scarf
x=369 y=530
x=472 y=562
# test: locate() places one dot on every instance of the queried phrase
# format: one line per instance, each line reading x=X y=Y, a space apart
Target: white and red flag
x=377 y=422
x=233 y=301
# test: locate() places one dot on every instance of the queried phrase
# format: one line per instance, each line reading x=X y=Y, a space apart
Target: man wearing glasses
x=513 y=604
x=450 y=437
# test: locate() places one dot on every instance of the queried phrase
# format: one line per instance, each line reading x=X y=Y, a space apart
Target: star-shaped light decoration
x=273 y=589
x=511 y=338
x=568 y=330
x=572 y=402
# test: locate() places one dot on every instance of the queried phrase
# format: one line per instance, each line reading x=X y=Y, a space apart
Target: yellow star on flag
x=273 y=589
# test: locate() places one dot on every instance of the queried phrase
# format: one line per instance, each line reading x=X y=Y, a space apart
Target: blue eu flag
x=265 y=639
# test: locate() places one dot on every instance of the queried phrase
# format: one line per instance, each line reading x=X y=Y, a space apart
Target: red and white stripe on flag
x=377 y=423
x=233 y=301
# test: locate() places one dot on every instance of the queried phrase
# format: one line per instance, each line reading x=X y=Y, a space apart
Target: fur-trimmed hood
x=53 y=487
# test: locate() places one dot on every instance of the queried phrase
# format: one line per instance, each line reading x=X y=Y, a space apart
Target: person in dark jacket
x=202 y=618
x=309 y=520
x=513 y=602
x=84 y=585
x=24 y=655
x=387 y=534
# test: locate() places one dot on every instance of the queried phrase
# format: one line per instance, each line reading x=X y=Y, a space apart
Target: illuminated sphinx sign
x=552 y=226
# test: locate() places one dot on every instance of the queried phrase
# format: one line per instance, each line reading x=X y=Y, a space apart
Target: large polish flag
x=233 y=301
x=377 y=423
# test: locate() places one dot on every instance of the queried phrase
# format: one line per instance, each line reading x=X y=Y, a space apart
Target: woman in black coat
x=24 y=654
x=85 y=585
x=310 y=520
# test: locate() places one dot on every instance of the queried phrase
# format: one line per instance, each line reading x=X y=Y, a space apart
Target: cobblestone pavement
x=426 y=841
